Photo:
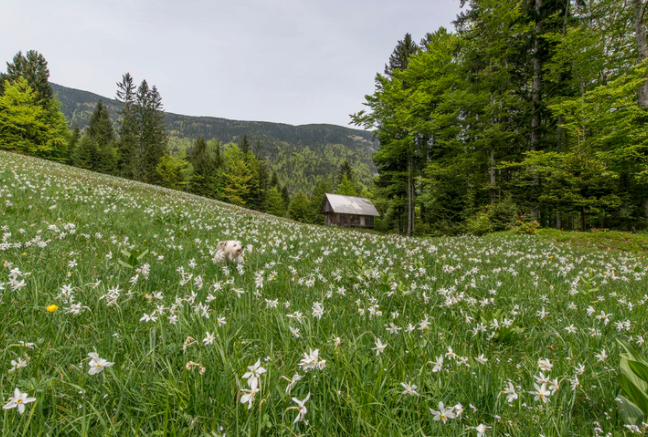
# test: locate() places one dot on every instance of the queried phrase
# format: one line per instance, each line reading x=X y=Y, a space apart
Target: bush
x=503 y=214
x=525 y=225
x=480 y=223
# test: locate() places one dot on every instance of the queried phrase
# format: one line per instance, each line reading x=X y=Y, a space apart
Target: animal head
x=233 y=248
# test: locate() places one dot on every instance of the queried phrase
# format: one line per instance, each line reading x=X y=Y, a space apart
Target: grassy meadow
x=514 y=335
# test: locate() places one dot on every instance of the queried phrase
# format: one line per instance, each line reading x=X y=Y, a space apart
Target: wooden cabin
x=348 y=211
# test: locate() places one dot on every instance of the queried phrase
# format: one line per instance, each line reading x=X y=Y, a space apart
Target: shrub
x=503 y=214
x=525 y=225
x=480 y=223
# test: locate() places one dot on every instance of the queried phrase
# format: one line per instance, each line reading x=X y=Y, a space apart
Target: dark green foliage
x=346 y=188
x=86 y=154
x=203 y=178
x=275 y=204
x=299 y=207
x=128 y=128
x=33 y=67
x=237 y=176
x=173 y=172
x=503 y=214
x=399 y=59
x=153 y=136
x=322 y=187
x=274 y=181
x=100 y=131
x=74 y=140
x=245 y=147
x=259 y=183
x=285 y=195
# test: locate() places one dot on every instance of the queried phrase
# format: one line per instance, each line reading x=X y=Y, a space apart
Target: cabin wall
x=349 y=220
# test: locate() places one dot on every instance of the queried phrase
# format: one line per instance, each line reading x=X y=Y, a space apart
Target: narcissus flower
x=97 y=364
x=18 y=401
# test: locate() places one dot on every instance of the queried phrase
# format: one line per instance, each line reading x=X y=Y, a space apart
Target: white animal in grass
x=230 y=250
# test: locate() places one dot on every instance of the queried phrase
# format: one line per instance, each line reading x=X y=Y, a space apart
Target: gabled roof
x=351 y=205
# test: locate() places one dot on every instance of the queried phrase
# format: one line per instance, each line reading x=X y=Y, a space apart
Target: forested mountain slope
x=299 y=154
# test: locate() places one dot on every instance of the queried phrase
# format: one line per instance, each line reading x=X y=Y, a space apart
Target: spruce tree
x=157 y=143
x=152 y=133
x=275 y=204
x=33 y=67
x=204 y=169
x=322 y=187
x=298 y=209
x=172 y=171
x=260 y=179
x=74 y=141
x=245 y=147
x=237 y=177
x=274 y=181
x=399 y=59
x=100 y=131
x=128 y=143
x=86 y=154
x=285 y=195
x=346 y=188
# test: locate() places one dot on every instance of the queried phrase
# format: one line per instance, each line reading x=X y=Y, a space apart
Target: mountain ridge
x=301 y=154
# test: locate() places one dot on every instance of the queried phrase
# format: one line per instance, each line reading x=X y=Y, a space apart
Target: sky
x=287 y=61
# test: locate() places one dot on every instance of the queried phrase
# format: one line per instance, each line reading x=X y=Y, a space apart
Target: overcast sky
x=288 y=61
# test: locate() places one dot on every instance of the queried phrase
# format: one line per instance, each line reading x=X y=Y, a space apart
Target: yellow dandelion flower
x=51 y=308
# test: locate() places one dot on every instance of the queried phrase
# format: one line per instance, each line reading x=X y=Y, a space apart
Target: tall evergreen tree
x=86 y=154
x=33 y=67
x=298 y=209
x=258 y=183
x=237 y=177
x=152 y=133
x=245 y=147
x=202 y=180
x=399 y=58
x=275 y=204
x=128 y=144
x=346 y=188
x=74 y=141
x=322 y=187
x=274 y=181
x=285 y=195
x=100 y=131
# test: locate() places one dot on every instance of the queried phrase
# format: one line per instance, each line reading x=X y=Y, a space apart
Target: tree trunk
x=492 y=175
x=492 y=150
x=560 y=117
x=582 y=219
x=537 y=86
x=410 y=201
x=558 y=223
x=642 y=46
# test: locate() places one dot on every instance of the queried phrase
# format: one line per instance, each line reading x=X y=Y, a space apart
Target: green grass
x=611 y=240
x=467 y=288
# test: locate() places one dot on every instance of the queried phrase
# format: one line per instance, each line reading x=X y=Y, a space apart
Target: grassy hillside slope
x=380 y=330
x=300 y=154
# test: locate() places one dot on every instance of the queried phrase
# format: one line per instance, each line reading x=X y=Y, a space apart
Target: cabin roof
x=351 y=205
